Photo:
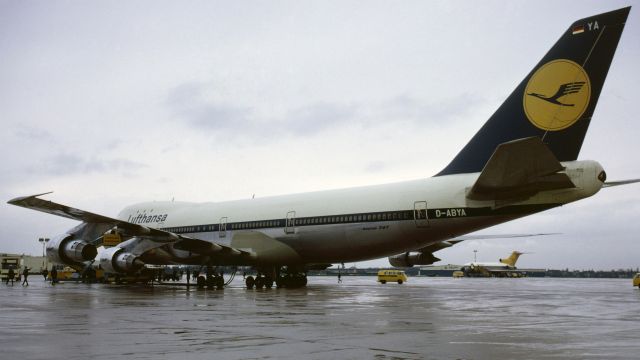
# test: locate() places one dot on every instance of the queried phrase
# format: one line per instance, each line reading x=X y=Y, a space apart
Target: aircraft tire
x=200 y=282
x=383 y=282
x=211 y=282
x=250 y=282
x=260 y=282
x=268 y=282
x=219 y=282
x=399 y=282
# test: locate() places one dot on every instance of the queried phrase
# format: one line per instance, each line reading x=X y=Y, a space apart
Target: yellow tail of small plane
x=511 y=260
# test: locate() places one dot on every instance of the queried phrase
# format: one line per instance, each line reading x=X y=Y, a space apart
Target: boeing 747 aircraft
x=522 y=161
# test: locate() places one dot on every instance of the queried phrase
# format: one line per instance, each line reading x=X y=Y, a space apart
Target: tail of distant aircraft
x=556 y=100
x=511 y=260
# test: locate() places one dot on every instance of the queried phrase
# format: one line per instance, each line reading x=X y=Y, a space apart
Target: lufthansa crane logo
x=557 y=95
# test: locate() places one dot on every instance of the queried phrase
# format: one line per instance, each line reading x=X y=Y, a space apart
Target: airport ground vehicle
x=9 y=262
x=35 y=264
x=385 y=276
x=636 y=280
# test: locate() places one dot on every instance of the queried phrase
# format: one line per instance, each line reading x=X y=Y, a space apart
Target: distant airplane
x=522 y=161
x=503 y=264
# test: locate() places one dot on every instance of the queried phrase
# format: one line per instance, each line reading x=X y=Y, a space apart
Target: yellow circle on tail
x=557 y=95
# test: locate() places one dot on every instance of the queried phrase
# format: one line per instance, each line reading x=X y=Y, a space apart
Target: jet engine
x=67 y=250
x=408 y=259
x=117 y=260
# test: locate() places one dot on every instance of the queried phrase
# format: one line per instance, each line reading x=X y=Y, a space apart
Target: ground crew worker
x=45 y=273
x=25 y=273
x=54 y=275
x=10 y=275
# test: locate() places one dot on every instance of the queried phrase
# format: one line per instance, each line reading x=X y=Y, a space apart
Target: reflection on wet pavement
x=427 y=318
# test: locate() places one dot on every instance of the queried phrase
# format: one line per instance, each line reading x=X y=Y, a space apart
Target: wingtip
x=620 y=182
x=19 y=199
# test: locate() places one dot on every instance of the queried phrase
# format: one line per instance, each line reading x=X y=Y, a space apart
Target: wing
x=425 y=256
x=499 y=236
x=147 y=238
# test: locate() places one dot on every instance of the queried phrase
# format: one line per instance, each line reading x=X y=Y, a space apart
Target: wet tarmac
x=426 y=318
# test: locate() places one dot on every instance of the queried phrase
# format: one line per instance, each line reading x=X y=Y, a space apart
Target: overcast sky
x=112 y=103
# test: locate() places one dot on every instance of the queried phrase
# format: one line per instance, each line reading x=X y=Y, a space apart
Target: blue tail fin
x=556 y=100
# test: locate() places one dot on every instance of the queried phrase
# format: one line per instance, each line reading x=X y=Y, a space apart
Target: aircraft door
x=420 y=214
x=290 y=224
x=223 y=227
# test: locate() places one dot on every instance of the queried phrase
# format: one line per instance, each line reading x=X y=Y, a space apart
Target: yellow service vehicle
x=636 y=280
x=385 y=276
x=8 y=261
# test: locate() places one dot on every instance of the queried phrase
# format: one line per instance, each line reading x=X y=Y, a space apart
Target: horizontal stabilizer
x=621 y=182
x=519 y=169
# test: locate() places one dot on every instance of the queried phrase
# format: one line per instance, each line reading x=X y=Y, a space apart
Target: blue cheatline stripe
x=381 y=216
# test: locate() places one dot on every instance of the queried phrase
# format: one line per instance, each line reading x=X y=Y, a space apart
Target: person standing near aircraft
x=45 y=273
x=54 y=275
x=11 y=274
x=25 y=274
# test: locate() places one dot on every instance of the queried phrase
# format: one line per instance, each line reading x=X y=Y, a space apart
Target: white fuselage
x=352 y=224
x=490 y=265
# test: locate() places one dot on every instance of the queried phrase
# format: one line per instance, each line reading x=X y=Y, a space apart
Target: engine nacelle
x=408 y=259
x=117 y=260
x=67 y=250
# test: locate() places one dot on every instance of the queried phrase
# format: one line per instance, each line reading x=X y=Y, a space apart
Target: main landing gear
x=260 y=281
x=213 y=279
x=284 y=278
x=210 y=282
